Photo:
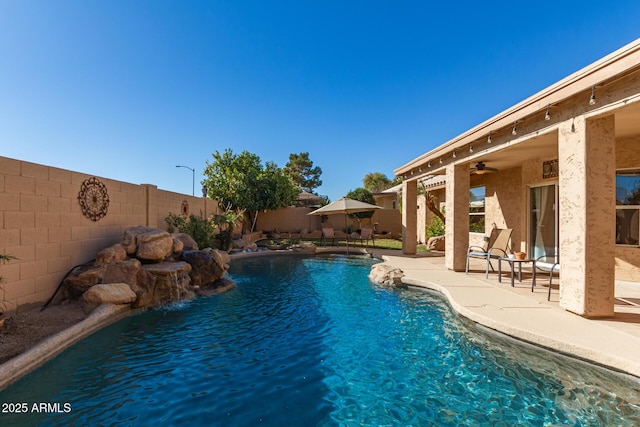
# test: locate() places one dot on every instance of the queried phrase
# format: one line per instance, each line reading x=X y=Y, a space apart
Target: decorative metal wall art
x=93 y=198
x=184 y=208
x=550 y=169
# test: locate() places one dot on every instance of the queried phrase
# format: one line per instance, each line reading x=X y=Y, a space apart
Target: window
x=628 y=207
x=476 y=210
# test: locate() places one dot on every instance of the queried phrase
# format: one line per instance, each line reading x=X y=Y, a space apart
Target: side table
x=512 y=265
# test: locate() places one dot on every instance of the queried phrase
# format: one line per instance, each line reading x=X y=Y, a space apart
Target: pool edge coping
x=16 y=368
x=598 y=358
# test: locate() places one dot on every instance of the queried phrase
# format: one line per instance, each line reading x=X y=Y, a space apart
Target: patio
x=562 y=169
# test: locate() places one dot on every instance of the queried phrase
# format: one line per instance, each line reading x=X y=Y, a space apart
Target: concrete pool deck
x=518 y=312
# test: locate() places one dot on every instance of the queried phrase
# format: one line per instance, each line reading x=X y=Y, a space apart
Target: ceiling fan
x=481 y=168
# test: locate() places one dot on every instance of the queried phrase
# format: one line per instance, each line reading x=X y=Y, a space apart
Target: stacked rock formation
x=149 y=267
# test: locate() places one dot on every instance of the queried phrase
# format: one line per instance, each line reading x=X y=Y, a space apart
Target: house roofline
x=612 y=67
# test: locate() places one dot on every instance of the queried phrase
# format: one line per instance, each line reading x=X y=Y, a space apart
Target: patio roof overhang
x=605 y=72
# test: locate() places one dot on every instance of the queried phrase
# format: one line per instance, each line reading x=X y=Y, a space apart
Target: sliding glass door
x=543 y=222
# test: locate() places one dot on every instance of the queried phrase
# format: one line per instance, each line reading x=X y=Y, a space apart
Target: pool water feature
x=309 y=341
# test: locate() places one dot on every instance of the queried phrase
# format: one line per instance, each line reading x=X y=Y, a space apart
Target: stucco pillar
x=151 y=202
x=587 y=216
x=409 y=216
x=457 y=216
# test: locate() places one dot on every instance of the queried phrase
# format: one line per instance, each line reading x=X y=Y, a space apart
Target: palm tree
x=376 y=182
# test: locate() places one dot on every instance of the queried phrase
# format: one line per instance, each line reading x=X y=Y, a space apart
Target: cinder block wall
x=42 y=224
x=387 y=220
x=291 y=219
x=296 y=219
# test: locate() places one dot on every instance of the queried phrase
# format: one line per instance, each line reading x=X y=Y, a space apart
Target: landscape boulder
x=123 y=272
x=386 y=275
x=130 y=238
x=304 y=247
x=178 y=246
x=222 y=257
x=188 y=244
x=436 y=243
x=154 y=245
x=112 y=293
x=111 y=254
x=207 y=266
x=81 y=279
x=239 y=244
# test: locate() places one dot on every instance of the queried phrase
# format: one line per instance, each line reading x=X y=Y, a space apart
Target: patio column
x=457 y=216
x=587 y=216
x=151 y=198
x=409 y=216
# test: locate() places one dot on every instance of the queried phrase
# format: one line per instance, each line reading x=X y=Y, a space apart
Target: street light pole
x=193 y=179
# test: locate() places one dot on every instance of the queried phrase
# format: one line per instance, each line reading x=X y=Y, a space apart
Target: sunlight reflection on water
x=309 y=341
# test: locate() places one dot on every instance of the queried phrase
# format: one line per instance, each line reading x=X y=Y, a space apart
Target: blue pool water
x=306 y=341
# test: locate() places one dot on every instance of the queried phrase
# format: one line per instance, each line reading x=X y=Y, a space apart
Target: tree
x=301 y=171
x=376 y=182
x=430 y=201
x=363 y=195
x=241 y=182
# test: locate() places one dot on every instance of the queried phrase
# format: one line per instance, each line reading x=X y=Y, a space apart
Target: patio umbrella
x=344 y=206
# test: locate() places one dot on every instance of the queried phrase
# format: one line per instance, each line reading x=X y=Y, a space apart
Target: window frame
x=478 y=214
x=635 y=172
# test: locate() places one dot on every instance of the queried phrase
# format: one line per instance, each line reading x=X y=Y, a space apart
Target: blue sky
x=127 y=90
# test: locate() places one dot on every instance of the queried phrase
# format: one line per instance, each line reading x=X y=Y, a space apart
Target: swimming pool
x=309 y=341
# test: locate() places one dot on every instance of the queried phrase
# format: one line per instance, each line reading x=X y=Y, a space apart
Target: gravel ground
x=24 y=330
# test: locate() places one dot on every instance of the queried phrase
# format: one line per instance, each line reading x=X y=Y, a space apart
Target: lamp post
x=193 y=179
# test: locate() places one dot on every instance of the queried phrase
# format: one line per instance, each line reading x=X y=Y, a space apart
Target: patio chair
x=549 y=264
x=365 y=235
x=328 y=233
x=495 y=247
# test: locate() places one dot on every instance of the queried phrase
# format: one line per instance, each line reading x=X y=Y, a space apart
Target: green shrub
x=200 y=229
x=435 y=227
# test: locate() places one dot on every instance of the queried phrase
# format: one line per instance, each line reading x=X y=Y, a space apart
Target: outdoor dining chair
x=328 y=233
x=496 y=246
x=549 y=264
x=365 y=235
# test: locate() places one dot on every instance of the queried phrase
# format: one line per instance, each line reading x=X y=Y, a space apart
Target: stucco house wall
x=628 y=258
x=503 y=204
x=507 y=202
x=386 y=200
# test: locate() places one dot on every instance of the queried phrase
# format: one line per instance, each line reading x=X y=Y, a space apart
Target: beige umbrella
x=344 y=206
